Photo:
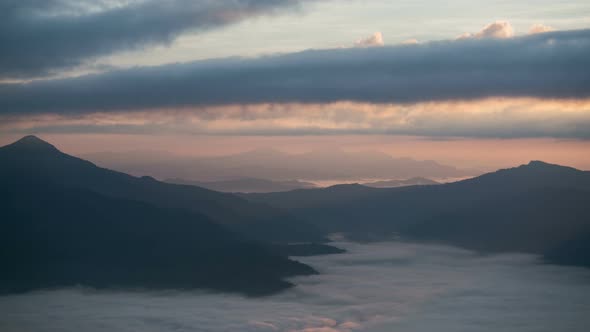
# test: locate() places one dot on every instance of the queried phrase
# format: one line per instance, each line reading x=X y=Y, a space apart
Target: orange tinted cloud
x=486 y=134
x=485 y=118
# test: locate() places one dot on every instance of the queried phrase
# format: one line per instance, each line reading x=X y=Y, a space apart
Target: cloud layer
x=488 y=118
x=38 y=37
x=547 y=65
x=377 y=287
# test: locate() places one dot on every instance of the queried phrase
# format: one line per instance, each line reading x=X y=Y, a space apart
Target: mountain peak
x=537 y=163
x=32 y=142
x=541 y=165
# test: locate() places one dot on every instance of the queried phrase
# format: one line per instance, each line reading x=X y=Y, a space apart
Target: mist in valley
x=387 y=286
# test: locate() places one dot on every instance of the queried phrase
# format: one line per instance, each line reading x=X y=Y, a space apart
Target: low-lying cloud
x=38 y=37
x=547 y=65
x=377 y=287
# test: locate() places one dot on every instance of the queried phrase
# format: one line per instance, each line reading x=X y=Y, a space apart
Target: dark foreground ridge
x=32 y=156
x=536 y=208
x=306 y=249
x=65 y=222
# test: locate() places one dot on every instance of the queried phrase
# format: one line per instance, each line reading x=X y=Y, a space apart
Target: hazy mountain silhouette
x=325 y=164
x=306 y=249
x=54 y=233
x=247 y=185
x=57 y=233
x=258 y=221
x=575 y=251
x=417 y=181
x=537 y=208
x=56 y=236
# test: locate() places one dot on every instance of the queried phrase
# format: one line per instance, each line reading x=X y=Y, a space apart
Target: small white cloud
x=498 y=29
x=465 y=35
x=410 y=41
x=374 y=40
x=540 y=28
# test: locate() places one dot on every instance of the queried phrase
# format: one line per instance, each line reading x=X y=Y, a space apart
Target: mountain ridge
x=56 y=230
x=279 y=166
x=246 y=185
x=256 y=220
x=532 y=208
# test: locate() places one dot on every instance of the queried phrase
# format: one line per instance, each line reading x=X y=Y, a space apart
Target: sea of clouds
x=391 y=286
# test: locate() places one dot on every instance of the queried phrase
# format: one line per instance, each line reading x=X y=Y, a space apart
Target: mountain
x=306 y=249
x=55 y=232
x=417 y=181
x=324 y=164
x=254 y=220
x=576 y=251
x=537 y=208
x=247 y=185
x=53 y=236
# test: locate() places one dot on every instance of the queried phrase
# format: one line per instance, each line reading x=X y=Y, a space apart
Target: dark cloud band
x=38 y=37
x=549 y=65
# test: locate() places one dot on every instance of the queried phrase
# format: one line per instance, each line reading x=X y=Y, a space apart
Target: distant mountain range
x=66 y=221
x=536 y=208
x=247 y=185
x=317 y=165
x=417 y=181
x=250 y=185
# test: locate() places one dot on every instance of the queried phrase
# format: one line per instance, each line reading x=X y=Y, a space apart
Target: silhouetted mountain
x=417 y=181
x=32 y=144
x=58 y=236
x=296 y=200
x=31 y=155
x=575 y=251
x=537 y=208
x=332 y=164
x=247 y=185
x=57 y=233
x=306 y=249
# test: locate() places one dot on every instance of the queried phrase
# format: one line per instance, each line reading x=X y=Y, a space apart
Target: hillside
x=535 y=208
x=257 y=221
x=59 y=227
x=247 y=185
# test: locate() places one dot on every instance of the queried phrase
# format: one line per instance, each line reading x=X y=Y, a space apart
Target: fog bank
x=375 y=287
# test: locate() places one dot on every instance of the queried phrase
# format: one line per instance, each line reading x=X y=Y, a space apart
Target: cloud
x=38 y=37
x=379 y=287
x=410 y=41
x=498 y=29
x=488 y=118
x=540 y=28
x=264 y=326
x=374 y=40
x=548 y=65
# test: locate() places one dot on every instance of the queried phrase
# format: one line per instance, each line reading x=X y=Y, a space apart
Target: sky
x=484 y=84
